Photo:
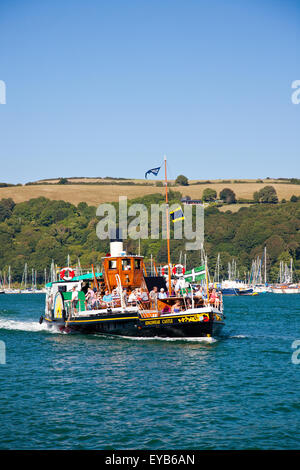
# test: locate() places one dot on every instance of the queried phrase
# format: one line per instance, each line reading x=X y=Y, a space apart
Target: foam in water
x=158 y=338
x=34 y=326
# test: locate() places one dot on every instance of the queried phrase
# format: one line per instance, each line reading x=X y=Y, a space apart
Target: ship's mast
x=265 y=265
x=168 y=230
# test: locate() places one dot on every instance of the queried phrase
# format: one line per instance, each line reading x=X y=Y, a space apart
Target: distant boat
x=286 y=285
x=261 y=289
x=282 y=289
x=235 y=288
x=12 y=291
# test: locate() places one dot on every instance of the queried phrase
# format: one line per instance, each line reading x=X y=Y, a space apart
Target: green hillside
x=41 y=230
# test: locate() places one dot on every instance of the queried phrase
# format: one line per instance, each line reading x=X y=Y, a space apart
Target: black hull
x=245 y=292
x=184 y=326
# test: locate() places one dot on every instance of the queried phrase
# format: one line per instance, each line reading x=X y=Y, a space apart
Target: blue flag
x=154 y=171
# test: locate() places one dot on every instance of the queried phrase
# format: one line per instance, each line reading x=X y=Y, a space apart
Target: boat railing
x=72 y=312
x=144 y=310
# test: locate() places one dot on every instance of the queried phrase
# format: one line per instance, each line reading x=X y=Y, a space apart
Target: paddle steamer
x=123 y=274
x=176 y=316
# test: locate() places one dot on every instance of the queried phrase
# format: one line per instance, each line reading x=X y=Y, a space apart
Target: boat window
x=112 y=264
x=126 y=264
x=137 y=264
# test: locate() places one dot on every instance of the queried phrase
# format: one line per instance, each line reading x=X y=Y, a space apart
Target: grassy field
x=95 y=195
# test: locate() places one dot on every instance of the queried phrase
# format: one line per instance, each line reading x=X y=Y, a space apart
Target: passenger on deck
x=74 y=299
x=166 y=309
x=153 y=298
x=132 y=298
x=89 y=297
x=176 y=307
x=162 y=294
x=214 y=299
x=138 y=294
x=144 y=296
x=98 y=301
x=115 y=295
x=107 y=298
x=125 y=296
x=180 y=284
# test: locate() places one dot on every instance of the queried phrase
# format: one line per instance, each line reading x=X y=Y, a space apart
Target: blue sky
x=106 y=88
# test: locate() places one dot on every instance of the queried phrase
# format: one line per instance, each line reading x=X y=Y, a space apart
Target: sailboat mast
x=265 y=265
x=168 y=229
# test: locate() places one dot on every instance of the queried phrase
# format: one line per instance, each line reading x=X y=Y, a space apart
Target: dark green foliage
x=295 y=181
x=63 y=181
x=182 y=180
x=209 y=195
x=266 y=195
x=228 y=196
x=6 y=208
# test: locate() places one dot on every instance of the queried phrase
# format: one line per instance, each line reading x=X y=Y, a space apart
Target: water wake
x=206 y=340
x=33 y=326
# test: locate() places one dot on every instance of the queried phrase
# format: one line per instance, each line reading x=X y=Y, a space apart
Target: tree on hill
x=182 y=180
x=6 y=208
x=209 y=195
x=228 y=196
x=266 y=195
x=63 y=181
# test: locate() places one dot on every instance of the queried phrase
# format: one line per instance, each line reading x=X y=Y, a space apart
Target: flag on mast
x=196 y=274
x=154 y=171
x=176 y=215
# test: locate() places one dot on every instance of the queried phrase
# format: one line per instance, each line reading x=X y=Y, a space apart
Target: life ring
x=164 y=269
x=67 y=274
x=205 y=318
x=176 y=268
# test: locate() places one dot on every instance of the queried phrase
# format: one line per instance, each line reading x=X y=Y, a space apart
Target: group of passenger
x=213 y=298
x=200 y=293
x=94 y=300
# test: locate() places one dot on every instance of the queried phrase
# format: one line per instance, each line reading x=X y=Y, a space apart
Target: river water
x=241 y=391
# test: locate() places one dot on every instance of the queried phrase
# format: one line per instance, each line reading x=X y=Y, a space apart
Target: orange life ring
x=67 y=274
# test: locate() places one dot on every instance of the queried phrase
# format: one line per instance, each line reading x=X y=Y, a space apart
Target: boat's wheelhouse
x=129 y=269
